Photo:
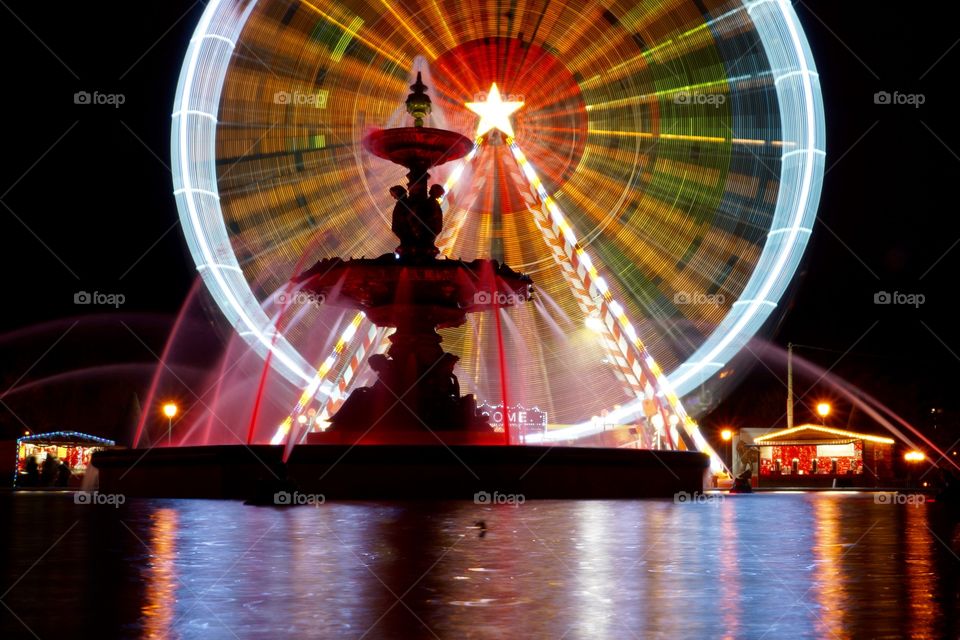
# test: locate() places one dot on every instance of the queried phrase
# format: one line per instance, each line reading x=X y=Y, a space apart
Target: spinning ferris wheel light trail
x=685 y=147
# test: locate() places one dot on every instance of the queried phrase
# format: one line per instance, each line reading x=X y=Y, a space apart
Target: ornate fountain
x=415 y=403
x=415 y=292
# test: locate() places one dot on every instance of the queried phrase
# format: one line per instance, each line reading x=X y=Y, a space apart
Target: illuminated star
x=494 y=113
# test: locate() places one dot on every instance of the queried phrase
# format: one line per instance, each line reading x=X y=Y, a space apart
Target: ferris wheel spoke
x=586 y=295
x=617 y=330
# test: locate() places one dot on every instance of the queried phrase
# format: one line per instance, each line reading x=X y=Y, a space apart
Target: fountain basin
x=348 y=472
x=422 y=147
x=388 y=288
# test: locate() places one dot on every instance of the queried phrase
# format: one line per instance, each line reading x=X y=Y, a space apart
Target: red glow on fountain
x=416 y=395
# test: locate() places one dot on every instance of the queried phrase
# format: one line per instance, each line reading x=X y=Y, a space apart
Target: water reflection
x=731 y=607
x=921 y=574
x=829 y=581
x=160 y=595
x=772 y=565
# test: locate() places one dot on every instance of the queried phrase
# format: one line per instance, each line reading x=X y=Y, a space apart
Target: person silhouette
x=435 y=221
x=48 y=471
x=32 y=472
x=400 y=222
x=63 y=474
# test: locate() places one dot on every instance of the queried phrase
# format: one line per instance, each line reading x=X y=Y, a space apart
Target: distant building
x=812 y=455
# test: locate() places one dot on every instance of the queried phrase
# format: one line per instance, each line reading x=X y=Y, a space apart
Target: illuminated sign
x=522 y=420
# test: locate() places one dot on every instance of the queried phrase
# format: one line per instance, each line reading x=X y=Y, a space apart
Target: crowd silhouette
x=52 y=472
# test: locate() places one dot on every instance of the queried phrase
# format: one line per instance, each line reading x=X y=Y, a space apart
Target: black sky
x=88 y=202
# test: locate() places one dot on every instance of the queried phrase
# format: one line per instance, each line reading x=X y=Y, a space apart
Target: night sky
x=88 y=205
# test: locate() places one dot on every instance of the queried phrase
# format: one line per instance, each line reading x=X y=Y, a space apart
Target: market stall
x=55 y=459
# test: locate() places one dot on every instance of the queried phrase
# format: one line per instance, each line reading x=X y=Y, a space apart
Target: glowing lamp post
x=727 y=436
x=913 y=458
x=823 y=410
x=170 y=410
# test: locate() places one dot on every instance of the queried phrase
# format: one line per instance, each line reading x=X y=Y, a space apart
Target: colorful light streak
x=310 y=391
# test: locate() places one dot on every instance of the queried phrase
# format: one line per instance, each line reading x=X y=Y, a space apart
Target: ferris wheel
x=659 y=181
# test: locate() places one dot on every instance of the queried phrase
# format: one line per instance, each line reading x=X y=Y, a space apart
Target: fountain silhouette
x=414 y=292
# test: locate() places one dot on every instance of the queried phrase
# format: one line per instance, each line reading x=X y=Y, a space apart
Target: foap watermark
x=301 y=297
x=697 y=98
x=498 y=298
x=109 y=99
x=97 y=498
x=687 y=297
x=911 y=499
x=485 y=497
x=912 y=99
x=318 y=100
x=288 y=498
x=898 y=297
x=683 y=497
x=114 y=300
x=482 y=96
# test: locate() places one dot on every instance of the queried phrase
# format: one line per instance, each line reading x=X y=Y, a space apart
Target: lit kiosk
x=71 y=448
x=813 y=455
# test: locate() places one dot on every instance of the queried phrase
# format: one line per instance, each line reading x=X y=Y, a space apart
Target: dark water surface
x=800 y=565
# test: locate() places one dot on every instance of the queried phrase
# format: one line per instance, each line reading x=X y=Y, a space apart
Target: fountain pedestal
x=416 y=389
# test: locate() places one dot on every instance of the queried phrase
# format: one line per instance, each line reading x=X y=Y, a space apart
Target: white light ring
x=193 y=152
x=801 y=177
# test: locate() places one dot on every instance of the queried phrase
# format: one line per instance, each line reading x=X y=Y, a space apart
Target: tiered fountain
x=411 y=434
x=415 y=292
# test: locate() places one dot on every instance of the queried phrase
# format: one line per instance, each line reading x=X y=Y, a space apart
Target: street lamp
x=169 y=410
x=727 y=436
x=823 y=410
x=914 y=456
